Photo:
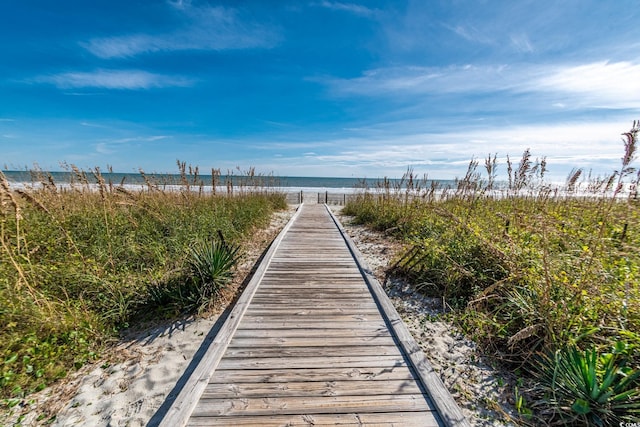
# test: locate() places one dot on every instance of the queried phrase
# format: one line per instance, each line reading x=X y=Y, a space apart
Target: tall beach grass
x=546 y=281
x=81 y=260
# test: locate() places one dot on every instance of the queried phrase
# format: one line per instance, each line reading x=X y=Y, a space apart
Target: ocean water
x=323 y=187
x=283 y=183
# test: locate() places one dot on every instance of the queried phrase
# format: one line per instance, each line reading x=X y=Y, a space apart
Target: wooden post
x=326 y=197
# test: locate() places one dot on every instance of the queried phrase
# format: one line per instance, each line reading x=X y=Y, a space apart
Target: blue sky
x=317 y=88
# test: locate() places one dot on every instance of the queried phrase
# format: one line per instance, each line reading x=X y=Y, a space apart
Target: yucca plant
x=210 y=266
x=587 y=388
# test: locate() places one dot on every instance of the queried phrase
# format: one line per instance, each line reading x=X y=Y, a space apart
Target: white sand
x=127 y=393
x=130 y=392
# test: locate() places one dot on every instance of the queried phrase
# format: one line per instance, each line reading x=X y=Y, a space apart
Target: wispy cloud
x=152 y=138
x=522 y=43
x=419 y=80
x=518 y=42
x=115 y=145
x=206 y=28
x=83 y=93
x=596 y=85
x=353 y=8
x=113 y=79
x=93 y=125
x=593 y=145
x=600 y=84
x=471 y=33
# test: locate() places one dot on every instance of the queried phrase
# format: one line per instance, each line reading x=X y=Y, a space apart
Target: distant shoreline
x=333 y=189
x=286 y=183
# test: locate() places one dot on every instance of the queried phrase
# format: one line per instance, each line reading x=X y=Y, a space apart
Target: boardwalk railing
x=313 y=340
x=319 y=197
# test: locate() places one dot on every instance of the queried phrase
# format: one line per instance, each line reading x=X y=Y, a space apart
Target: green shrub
x=210 y=267
x=79 y=263
x=587 y=388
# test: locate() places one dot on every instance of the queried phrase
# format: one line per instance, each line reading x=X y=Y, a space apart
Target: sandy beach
x=131 y=384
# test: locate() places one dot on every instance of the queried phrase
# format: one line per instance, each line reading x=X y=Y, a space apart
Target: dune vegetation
x=80 y=261
x=547 y=282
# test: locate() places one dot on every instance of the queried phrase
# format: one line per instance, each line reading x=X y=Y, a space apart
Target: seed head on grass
x=572 y=179
x=630 y=144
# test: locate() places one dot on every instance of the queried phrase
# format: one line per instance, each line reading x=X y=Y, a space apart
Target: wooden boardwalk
x=313 y=340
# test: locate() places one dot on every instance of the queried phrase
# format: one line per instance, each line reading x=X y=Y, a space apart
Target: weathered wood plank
x=300 y=303
x=311 y=312
x=252 y=352
x=306 y=288
x=310 y=341
x=305 y=362
x=309 y=389
x=317 y=404
x=312 y=374
x=287 y=285
x=324 y=333
x=330 y=323
x=339 y=295
x=366 y=306
x=320 y=316
x=335 y=304
x=389 y=419
x=324 y=297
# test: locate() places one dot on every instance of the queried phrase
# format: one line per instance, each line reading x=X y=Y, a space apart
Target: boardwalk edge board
x=446 y=406
x=186 y=401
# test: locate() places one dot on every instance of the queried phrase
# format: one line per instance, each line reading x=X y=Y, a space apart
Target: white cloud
x=521 y=43
x=471 y=33
x=92 y=125
x=420 y=80
x=113 y=79
x=112 y=146
x=179 y=4
x=82 y=93
x=599 y=84
x=591 y=85
x=140 y=139
x=207 y=28
x=104 y=148
x=376 y=153
x=356 y=9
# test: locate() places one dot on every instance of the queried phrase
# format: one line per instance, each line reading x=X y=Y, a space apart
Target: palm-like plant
x=211 y=265
x=585 y=388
